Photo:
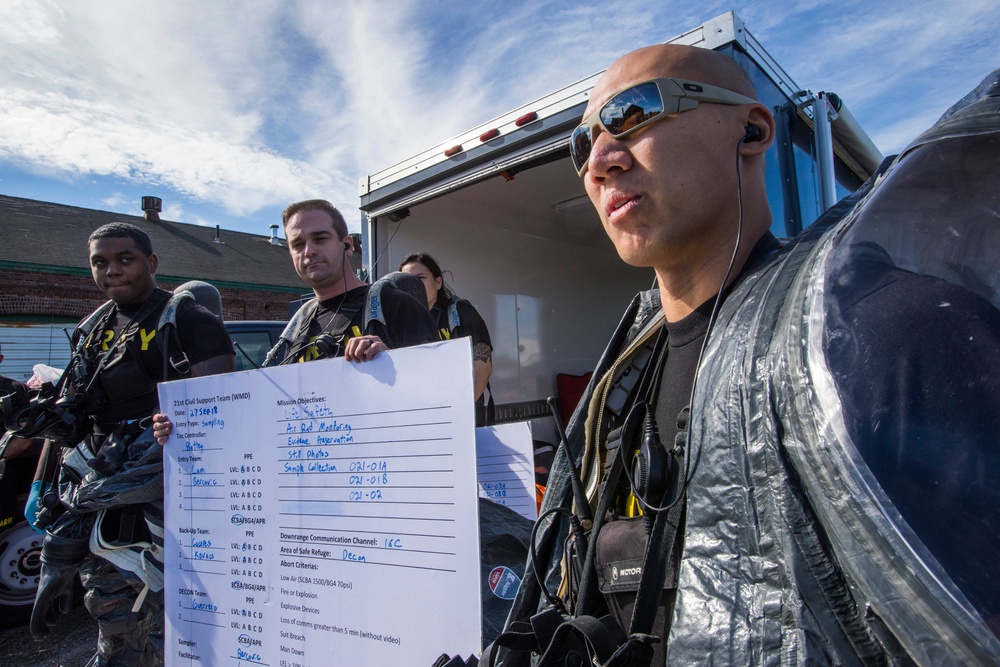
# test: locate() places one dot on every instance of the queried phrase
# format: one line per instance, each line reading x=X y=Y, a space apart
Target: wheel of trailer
x=20 y=567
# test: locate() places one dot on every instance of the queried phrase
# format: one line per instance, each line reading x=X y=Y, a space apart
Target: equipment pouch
x=74 y=462
x=621 y=545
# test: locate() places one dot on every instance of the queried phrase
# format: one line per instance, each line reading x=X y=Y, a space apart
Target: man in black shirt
x=759 y=527
x=339 y=321
x=112 y=482
x=670 y=198
x=345 y=318
x=675 y=169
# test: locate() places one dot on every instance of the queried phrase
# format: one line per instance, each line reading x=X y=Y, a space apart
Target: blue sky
x=229 y=110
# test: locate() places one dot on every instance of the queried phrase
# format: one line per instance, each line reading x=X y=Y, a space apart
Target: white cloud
x=247 y=106
x=158 y=92
x=401 y=76
x=897 y=65
x=78 y=137
x=116 y=201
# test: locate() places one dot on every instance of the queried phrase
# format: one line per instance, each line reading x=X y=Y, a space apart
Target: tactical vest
x=352 y=316
x=107 y=381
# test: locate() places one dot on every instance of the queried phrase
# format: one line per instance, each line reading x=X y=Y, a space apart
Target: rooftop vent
x=151 y=207
x=274 y=236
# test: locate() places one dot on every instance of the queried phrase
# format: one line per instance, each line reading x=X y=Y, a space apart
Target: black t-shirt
x=684 y=341
x=679 y=364
x=407 y=322
x=470 y=323
x=684 y=344
x=126 y=385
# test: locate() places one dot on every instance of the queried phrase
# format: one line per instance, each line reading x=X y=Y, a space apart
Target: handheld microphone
x=326 y=346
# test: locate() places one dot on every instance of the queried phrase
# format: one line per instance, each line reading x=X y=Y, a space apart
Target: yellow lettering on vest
x=444 y=334
x=310 y=352
x=356 y=331
x=145 y=337
x=108 y=335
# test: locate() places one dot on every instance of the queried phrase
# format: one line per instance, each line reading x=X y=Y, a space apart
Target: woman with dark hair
x=455 y=318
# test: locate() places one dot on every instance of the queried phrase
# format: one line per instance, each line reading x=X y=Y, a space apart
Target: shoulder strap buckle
x=181 y=363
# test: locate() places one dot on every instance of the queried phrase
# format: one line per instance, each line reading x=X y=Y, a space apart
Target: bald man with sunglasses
x=789 y=451
x=671 y=153
x=666 y=188
x=674 y=166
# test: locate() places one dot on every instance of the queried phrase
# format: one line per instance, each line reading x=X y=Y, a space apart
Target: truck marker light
x=526 y=118
x=489 y=134
x=453 y=150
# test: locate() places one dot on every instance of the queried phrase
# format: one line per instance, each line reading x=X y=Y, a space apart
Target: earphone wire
x=701 y=353
x=532 y=552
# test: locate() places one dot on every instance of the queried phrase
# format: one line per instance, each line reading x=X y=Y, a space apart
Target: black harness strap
x=657 y=559
x=589 y=592
x=341 y=321
x=157 y=299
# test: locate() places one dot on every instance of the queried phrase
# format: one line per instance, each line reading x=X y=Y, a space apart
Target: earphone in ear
x=752 y=135
x=347 y=245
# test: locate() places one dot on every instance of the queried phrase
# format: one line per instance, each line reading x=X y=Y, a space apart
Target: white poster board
x=324 y=513
x=505 y=464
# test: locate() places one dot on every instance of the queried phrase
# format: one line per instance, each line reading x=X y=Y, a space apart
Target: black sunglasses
x=641 y=105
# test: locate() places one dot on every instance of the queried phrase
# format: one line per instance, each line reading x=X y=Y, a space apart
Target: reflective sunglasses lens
x=579 y=146
x=626 y=110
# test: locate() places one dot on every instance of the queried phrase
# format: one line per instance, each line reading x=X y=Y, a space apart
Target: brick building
x=46 y=285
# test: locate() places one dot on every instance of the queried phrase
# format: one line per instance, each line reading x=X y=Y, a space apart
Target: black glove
x=61 y=558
